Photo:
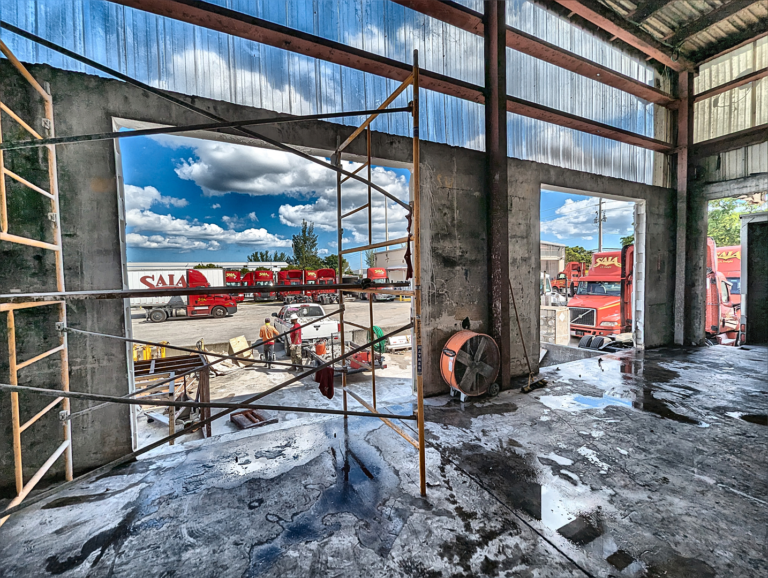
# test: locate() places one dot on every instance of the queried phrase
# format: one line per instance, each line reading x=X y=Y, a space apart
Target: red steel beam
x=741 y=81
x=611 y=22
x=471 y=21
x=235 y=23
x=729 y=142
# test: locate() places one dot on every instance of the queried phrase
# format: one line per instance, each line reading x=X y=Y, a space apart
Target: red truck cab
x=233 y=279
x=310 y=278
x=722 y=313
x=596 y=309
x=325 y=296
x=287 y=278
x=378 y=275
x=211 y=305
x=729 y=264
x=568 y=278
x=263 y=283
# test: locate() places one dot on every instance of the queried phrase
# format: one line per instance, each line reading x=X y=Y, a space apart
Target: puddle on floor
x=755 y=418
x=645 y=401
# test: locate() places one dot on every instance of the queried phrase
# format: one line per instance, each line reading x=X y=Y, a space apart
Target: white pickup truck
x=323 y=329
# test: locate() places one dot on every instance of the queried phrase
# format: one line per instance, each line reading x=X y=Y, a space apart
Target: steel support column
x=498 y=198
x=684 y=141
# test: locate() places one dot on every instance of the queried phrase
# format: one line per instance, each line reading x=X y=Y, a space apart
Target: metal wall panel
x=734 y=110
x=192 y=60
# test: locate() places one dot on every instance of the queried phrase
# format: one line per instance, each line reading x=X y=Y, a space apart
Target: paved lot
x=249 y=318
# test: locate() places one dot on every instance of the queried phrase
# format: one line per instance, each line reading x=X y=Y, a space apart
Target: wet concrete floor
x=640 y=465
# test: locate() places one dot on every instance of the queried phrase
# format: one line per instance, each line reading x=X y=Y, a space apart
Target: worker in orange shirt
x=267 y=333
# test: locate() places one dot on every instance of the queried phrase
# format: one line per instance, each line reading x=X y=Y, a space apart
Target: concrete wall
x=454 y=227
x=525 y=181
x=91 y=261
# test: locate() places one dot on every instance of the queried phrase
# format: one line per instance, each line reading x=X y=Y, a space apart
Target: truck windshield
x=612 y=288
x=561 y=276
x=735 y=285
x=311 y=311
x=385 y=280
x=263 y=283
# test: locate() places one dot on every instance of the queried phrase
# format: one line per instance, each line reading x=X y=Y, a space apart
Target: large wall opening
x=592 y=260
x=235 y=212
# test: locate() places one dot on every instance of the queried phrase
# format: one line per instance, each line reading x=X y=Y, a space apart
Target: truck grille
x=582 y=316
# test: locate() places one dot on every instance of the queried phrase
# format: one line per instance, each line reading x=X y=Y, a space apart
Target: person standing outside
x=295 y=342
x=267 y=333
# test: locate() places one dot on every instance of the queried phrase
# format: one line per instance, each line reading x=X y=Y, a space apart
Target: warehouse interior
x=644 y=460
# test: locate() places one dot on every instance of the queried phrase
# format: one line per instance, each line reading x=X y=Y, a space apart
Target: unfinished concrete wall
x=91 y=261
x=525 y=182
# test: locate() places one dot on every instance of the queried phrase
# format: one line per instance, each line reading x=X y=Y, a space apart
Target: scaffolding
x=65 y=448
x=59 y=298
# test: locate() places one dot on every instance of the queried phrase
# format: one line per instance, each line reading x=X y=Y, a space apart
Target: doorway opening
x=591 y=276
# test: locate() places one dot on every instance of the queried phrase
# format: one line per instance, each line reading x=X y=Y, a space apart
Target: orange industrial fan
x=470 y=363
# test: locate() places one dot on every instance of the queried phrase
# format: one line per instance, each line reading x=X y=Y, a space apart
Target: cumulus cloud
x=323 y=252
x=181 y=244
x=576 y=219
x=152 y=230
x=221 y=168
x=235 y=222
x=216 y=206
x=145 y=197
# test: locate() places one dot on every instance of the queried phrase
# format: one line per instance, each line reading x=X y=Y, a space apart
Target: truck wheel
x=585 y=341
x=597 y=342
x=157 y=316
x=219 y=312
x=493 y=389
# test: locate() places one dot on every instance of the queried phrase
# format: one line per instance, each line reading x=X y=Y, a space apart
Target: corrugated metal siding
x=196 y=61
x=737 y=109
x=544 y=83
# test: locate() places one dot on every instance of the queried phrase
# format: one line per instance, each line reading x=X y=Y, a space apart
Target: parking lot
x=185 y=331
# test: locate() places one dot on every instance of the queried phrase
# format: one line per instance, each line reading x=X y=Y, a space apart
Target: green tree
x=208 y=266
x=305 y=248
x=628 y=240
x=723 y=225
x=578 y=254
x=265 y=257
x=370 y=258
x=332 y=262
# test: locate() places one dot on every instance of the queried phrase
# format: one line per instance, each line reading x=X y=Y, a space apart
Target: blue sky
x=199 y=200
x=569 y=219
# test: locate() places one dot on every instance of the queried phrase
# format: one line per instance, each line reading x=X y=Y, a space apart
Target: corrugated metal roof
x=665 y=22
x=191 y=60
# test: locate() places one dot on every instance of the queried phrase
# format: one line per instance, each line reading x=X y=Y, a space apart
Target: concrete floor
x=185 y=331
x=638 y=465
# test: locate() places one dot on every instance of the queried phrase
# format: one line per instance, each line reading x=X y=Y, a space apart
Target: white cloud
x=181 y=244
x=169 y=232
x=220 y=168
x=235 y=222
x=323 y=252
x=216 y=206
x=145 y=197
x=576 y=219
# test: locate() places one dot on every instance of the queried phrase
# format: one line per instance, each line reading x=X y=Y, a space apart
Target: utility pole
x=600 y=219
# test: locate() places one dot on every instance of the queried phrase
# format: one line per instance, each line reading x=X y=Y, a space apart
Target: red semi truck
x=722 y=313
x=325 y=296
x=233 y=279
x=162 y=307
x=287 y=278
x=378 y=275
x=263 y=283
x=596 y=308
x=568 y=278
x=602 y=306
x=729 y=263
